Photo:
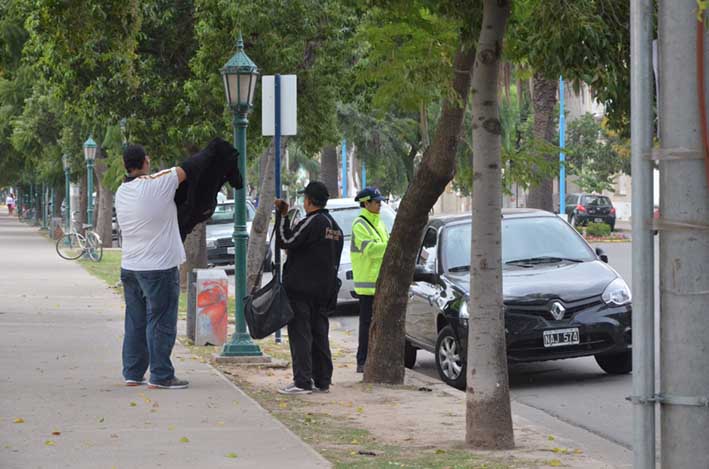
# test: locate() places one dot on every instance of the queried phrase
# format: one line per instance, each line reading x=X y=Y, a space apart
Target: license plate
x=557 y=337
x=230 y=250
x=598 y=220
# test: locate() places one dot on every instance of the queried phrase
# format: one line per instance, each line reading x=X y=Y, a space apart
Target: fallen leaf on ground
x=56 y=433
x=133 y=404
x=184 y=439
x=578 y=451
x=101 y=420
x=19 y=420
x=282 y=405
x=113 y=435
x=360 y=410
x=550 y=438
x=555 y=463
x=440 y=451
x=221 y=424
x=232 y=455
x=49 y=443
x=171 y=427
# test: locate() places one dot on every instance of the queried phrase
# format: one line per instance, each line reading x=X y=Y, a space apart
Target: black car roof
x=441 y=220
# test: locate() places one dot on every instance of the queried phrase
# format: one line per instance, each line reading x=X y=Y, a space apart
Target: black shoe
x=322 y=390
x=173 y=383
x=360 y=368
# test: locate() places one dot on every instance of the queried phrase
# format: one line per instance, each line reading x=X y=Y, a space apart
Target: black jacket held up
x=314 y=247
x=206 y=171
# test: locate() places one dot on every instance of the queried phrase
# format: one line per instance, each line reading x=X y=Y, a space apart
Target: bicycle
x=73 y=245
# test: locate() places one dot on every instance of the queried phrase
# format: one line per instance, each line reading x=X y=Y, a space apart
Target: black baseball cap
x=317 y=192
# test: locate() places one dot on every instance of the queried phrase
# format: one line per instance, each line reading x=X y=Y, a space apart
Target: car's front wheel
x=409 y=355
x=617 y=363
x=450 y=360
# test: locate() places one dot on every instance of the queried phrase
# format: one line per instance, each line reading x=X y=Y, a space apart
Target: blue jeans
x=151 y=323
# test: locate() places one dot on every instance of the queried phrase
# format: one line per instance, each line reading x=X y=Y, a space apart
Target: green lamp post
x=240 y=75
x=90 y=157
x=44 y=202
x=67 y=194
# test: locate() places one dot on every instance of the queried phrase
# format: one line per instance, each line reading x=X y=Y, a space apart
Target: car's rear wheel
x=450 y=360
x=616 y=364
x=572 y=221
x=409 y=355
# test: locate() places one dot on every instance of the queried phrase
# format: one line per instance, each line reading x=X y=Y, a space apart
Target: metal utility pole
x=684 y=241
x=643 y=248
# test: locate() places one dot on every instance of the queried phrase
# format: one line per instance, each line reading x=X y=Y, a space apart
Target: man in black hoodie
x=314 y=247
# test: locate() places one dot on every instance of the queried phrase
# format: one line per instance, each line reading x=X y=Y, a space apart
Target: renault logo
x=557 y=310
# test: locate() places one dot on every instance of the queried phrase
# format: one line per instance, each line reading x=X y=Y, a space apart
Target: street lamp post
x=240 y=75
x=90 y=156
x=67 y=195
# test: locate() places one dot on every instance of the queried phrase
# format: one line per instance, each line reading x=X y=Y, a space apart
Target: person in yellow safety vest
x=369 y=241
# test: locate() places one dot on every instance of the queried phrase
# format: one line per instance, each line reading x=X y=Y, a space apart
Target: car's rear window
x=596 y=200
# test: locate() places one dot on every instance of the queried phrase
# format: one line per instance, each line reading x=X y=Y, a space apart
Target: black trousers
x=309 y=345
x=366 y=302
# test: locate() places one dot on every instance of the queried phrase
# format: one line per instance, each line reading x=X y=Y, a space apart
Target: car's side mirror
x=422 y=274
x=602 y=255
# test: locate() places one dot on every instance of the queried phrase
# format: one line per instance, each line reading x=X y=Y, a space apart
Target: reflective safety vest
x=367 y=246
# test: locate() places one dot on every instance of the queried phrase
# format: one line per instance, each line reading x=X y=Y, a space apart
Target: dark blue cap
x=369 y=193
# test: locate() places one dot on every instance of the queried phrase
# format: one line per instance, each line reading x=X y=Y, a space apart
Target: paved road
x=576 y=392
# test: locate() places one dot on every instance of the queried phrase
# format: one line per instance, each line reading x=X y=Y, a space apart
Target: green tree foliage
x=594 y=154
x=522 y=155
x=584 y=40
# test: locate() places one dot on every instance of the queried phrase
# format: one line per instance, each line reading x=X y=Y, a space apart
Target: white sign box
x=289 y=105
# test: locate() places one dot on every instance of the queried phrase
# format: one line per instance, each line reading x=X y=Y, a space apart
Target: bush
x=598 y=229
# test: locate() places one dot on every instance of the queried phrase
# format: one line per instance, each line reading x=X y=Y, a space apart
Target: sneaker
x=173 y=383
x=360 y=368
x=135 y=382
x=322 y=390
x=294 y=390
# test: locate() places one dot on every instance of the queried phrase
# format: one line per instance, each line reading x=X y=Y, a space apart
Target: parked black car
x=584 y=208
x=561 y=299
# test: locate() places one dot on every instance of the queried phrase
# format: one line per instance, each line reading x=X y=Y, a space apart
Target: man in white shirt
x=152 y=254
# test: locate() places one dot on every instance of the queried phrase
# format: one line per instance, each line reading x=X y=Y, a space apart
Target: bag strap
x=373 y=227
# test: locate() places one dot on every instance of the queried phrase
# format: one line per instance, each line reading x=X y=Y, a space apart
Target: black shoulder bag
x=268 y=309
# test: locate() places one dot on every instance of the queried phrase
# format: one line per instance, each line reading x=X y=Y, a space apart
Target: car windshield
x=224 y=213
x=524 y=240
x=345 y=216
x=596 y=200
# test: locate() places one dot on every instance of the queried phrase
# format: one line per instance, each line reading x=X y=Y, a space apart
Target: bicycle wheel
x=70 y=246
x=94 y=247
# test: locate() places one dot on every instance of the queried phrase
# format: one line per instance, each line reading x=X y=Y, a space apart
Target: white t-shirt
x=9 y=200
x=147 y=215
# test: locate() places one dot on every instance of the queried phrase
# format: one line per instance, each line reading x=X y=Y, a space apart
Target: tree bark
x=195 y=252
x=385 y=363
x=544 y=99
x=328 y=170
x=259 y=227
x=104 y=212
x=488 y=413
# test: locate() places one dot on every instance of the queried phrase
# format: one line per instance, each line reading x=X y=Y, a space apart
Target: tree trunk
x=328 y=170
x=544 y=99
x=195 y=252
x=488 y=413
x=104 y=213
x=260 y=226
x=385 y=363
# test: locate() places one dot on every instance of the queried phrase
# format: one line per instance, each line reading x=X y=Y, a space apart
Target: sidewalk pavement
x=64 y=404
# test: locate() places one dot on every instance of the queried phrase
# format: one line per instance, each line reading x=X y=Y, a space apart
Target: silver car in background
x=345 y=211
